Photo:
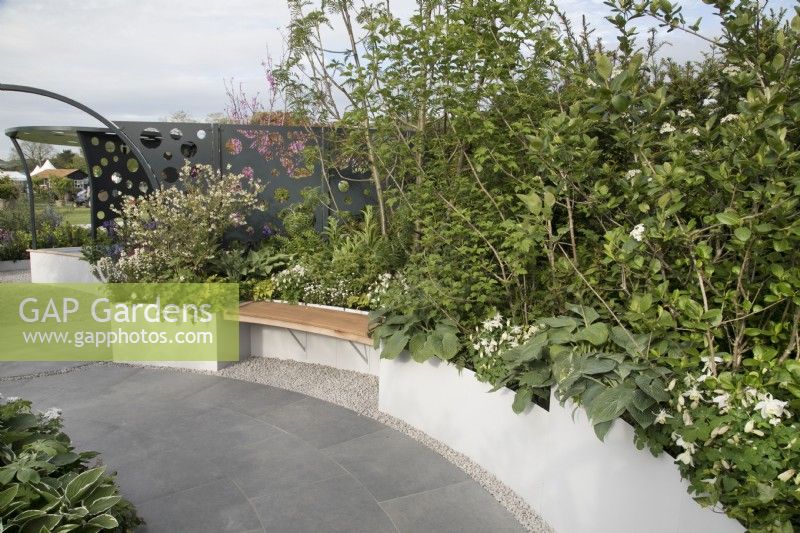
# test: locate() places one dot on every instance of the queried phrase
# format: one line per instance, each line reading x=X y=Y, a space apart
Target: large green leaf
x=521 y=400
x=395 y=344
x=7 y=496
x=596 y=334
x=103 y=504
x=450 y=346
x=611 y=403
x=82 y=483
x=652 y=386
x=105 y=521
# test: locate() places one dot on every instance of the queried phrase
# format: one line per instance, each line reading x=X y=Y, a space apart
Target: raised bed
x=552 y=458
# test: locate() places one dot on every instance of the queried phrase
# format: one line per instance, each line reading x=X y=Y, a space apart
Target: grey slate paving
x=200 y=453
x=339 y=504
x=391 y=465
x=463 y=507
x=321 y=423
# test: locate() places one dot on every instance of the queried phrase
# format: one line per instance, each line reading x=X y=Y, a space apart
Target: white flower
x=632 y=173
x=694 y=394
x=685 y=113
x=729 y=118
x=709 y=102
x=787 y=475
x=54 y=413
x=695 y=131
x=731 y=70
x=770 y=407
x=719 y=430
x=12 y=399
x=590 y=82
x=722 y=401
x=687 y=419
x=685 y=458
x=667 y=128
x=637 y=233
x=662 y=416
x=671 y=385
x=750 y=428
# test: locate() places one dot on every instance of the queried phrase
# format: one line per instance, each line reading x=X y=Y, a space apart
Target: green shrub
x=8 y=189
x=45 y=485
x=535 y=170
x=175 y=234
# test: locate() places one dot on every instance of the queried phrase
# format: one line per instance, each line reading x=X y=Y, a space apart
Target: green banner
x=119 y=322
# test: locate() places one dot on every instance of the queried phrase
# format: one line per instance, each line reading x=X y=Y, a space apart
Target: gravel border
x=15 y=276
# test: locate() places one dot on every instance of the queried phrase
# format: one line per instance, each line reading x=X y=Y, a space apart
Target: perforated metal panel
x=113 y=173
x=284 y=158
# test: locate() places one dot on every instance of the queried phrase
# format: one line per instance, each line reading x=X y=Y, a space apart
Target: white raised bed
x=60 y=265
x=551 y=459
x=9 y=266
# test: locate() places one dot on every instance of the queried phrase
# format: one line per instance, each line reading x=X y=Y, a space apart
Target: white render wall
x=551 y=459
x=282 y=343
x=60 y=265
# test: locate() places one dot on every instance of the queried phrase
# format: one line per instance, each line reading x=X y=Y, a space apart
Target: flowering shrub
x=45 y=485
x=175 y=234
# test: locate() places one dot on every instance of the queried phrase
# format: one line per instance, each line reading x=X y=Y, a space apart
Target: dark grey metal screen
x=286 y=159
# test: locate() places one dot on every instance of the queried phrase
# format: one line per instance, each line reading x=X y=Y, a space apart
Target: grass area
x=70 y=213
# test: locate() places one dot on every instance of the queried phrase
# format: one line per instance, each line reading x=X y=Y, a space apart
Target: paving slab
x=200 y=453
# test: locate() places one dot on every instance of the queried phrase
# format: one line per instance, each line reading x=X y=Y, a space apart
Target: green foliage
x=8 y=189
x=45 y=485
x=527 y=169
x=175 y=234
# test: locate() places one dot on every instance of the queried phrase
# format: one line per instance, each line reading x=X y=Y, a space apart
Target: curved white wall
x=551 y=459
x=60 y=265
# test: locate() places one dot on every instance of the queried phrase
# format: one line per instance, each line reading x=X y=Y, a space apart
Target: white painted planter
x=283 y=343
x=551 y=459
x=8 y=266
x=60 y=265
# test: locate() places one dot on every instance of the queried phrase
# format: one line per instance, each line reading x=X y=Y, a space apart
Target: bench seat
x=330 y=337
x=329 y=322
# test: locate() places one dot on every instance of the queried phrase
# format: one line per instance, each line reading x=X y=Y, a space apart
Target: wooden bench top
x=330 y=322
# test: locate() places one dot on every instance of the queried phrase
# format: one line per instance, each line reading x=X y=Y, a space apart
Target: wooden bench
x=299 y=332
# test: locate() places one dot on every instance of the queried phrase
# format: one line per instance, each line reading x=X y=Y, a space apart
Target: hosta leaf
x=644 y=418
x=521 y=400
x=394 y=345
x=450 y=346
x=652 y=386
x=105 y=521
x=82 y=483
x=602 y=428
x=591 y=365
x=64 y=459
x=539 y=377
x=588 y=314
x=36 y=525
x=7 y=495
x=103 y=504
x=611 y=403
x=596 y=334
x=561 y=322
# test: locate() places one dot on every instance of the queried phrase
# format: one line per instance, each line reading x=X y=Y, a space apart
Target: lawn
x=69 y=213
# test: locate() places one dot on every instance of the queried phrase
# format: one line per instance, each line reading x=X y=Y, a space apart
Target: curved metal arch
x=154 y=182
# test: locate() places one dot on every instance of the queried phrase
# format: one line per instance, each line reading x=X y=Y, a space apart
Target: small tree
x=9 y=191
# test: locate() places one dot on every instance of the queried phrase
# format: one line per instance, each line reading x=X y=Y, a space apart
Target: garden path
x=200 y=453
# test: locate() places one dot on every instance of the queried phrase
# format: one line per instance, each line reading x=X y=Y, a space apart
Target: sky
x=145 y=59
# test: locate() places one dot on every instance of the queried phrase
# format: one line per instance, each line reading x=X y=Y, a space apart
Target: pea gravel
x=15 y=276
x=359 y=392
